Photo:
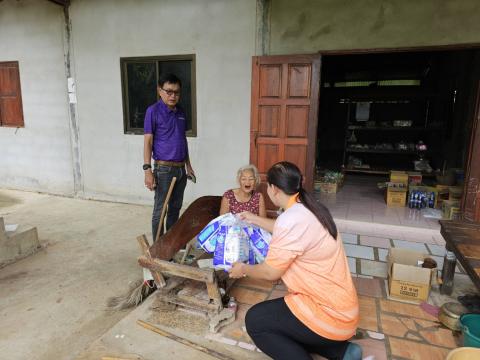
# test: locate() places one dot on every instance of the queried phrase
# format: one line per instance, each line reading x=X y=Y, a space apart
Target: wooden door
x=11 y=113
x=285 y=98
x=471 y=198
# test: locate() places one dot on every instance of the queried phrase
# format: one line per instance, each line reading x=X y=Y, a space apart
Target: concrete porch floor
x=52 y=304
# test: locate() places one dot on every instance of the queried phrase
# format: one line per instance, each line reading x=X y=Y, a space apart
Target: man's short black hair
x=169 y=78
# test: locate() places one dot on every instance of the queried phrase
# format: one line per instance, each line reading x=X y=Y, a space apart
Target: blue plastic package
x=207 y=237
x=231 y=248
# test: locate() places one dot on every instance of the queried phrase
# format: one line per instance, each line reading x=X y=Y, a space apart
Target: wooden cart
x=172 y=278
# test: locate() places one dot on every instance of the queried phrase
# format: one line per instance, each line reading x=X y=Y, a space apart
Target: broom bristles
x=137 y=292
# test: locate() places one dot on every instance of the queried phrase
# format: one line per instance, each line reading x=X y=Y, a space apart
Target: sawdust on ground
x=166 y=315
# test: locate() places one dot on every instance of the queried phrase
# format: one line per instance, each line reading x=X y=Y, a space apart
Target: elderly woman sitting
x=244 y=198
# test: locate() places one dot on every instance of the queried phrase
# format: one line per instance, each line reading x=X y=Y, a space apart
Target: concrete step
x=17 y=244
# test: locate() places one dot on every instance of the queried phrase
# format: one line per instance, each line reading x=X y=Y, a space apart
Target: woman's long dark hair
x=288 y=178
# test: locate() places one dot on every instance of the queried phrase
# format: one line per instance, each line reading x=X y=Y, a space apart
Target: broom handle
x=164 y=208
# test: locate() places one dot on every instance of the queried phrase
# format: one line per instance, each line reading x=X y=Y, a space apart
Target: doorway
x=407 y=111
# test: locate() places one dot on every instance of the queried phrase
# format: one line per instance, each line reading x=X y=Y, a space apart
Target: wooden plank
x=172 y=283
x=183 y=341
x=192 y=221
x=144 y=245
x=172 y=269
x=214 y=292
x=463 y=239
x=471 y=193
x=145 y=249
x=191 y=302
x=470 y=251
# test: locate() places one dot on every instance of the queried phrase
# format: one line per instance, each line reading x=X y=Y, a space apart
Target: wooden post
x=145 y=249
x=164 y=209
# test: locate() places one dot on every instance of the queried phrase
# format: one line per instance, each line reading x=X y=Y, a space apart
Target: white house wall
x=222 y=36
x=38 y=156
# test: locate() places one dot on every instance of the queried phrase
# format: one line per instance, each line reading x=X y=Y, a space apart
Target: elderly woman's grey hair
x=253 y=169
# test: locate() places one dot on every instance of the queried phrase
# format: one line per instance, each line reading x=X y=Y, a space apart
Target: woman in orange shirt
x=320 y=313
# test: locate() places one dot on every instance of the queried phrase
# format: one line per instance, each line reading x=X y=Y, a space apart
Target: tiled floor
x=388 y=329
x=360 y=199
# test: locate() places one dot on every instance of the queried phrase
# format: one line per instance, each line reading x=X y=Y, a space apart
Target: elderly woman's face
x=247 y=181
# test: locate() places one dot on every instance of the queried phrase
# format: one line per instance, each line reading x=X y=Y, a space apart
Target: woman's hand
x=248 y=217
x=237 y=271
x=263 y=222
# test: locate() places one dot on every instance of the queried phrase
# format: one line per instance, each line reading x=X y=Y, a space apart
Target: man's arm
x=187 y=161
x=147 y=159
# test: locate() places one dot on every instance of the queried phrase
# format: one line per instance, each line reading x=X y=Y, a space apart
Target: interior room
x=399 y=111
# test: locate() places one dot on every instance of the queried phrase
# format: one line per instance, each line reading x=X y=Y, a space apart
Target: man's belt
x=170 y=163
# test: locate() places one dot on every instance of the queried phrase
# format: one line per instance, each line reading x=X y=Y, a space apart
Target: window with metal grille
x=139 y=88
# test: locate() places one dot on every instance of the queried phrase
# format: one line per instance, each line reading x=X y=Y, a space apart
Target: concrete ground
x=129 y=341
x=52 y=304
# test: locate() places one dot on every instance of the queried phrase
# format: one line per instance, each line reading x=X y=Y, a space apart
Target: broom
x=140 y=289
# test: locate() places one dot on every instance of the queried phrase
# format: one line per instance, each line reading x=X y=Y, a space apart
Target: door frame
x=474 y=140
x=473 y=122
x=313 y=114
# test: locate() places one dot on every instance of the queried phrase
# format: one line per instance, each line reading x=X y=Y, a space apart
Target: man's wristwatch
x=146 y=166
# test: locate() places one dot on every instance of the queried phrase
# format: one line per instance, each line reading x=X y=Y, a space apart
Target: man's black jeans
x=163 y=177
x=280 y=335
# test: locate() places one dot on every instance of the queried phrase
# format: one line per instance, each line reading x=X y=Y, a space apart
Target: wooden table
x=463 y=244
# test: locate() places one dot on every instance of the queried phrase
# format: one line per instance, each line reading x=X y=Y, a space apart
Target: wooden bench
x=462 y=242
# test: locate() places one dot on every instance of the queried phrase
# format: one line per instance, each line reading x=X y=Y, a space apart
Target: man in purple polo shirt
x=165 y=141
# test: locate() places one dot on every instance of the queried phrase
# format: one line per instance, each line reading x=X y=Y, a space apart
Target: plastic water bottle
x=431 y=201
x=232 y=304
x=411 y=202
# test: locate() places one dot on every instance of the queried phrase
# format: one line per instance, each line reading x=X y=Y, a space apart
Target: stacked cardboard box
x=396 y=194
x=443 y=194
x=451 y=209
x=414 y=178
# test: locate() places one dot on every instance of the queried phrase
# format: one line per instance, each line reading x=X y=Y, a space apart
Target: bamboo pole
x=164 y=208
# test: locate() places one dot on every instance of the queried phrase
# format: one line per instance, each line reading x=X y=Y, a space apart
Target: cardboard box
x=399 y=177
x=396 y=194
x=414 y=178
x=456 y=192
x=408 y=281
x=328 y=188
x=450 y=209
x=443 y=194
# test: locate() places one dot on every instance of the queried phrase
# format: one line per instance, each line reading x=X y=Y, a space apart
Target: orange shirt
x=321 y=292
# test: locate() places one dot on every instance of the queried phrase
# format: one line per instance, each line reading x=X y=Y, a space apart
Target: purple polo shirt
x=168 y=129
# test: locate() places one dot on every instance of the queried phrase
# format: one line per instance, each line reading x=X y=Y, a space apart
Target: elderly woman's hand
x=237 y=271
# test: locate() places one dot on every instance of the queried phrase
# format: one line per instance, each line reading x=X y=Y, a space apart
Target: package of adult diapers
x=259 y=242
x=231 y=240
x=231 y=248
x=207 y=239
